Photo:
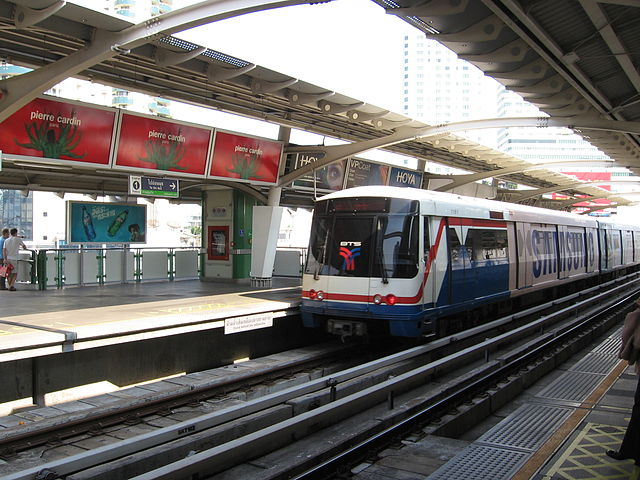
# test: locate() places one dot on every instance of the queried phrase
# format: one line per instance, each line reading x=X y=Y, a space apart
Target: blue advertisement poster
x=362 y=172
x=401 y=177
x=106 y=222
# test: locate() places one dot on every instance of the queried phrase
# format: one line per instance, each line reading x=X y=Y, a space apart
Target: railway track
x=311 y=428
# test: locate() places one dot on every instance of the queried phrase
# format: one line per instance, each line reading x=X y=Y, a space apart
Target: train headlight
x=390 y=299
x=377 y=299
x=313 y=294
x=320 y=295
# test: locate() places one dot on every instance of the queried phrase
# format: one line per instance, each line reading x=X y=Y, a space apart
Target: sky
x=349 y=46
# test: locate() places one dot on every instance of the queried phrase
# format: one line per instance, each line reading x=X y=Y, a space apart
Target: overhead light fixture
x=40 y=165
x=571 y=58
x=25 y=192
x=92 y=196
x=59 y=194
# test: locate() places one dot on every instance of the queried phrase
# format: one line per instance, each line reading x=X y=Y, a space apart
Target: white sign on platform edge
x=248 y=322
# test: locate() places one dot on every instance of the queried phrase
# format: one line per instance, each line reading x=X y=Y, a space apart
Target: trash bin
x=23 y=268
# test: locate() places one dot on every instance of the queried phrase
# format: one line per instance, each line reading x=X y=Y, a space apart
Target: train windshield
x=364 y=239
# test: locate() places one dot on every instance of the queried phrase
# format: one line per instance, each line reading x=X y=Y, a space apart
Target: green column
x=242 y=232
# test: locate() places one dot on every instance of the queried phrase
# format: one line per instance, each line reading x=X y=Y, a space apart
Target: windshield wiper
x=319 y=266
x=385 y=278
x=322 y=258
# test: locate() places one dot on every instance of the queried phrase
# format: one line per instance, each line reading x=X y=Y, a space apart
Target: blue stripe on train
x=479 y=284
x=487 y=284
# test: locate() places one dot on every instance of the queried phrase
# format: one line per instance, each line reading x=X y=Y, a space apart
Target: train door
x=627 y=247
x=615 y=253
x=591 y=241
x=462 y=277
x=523 y=245
x=436 y=286
x=604 y=248
x=537 y=253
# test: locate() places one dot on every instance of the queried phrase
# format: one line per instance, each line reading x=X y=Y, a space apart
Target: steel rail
x=352 y=404
x=224 y=456
x=457 y=397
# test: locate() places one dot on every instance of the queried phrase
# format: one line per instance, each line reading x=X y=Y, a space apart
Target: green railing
x=78 y=266
x=98 y=266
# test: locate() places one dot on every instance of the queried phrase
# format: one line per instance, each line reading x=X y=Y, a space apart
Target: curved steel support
x=26 y=16
x=460 y=180
x=168 y=58
x=404 y=134
x=243 y=187
x=219 y=74
x=21 y=89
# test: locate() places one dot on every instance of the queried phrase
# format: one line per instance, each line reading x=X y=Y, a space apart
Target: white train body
x=398 y=259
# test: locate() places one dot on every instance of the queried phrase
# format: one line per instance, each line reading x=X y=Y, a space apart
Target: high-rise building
x=537 y=145
x=134 y=11
x=441 y=88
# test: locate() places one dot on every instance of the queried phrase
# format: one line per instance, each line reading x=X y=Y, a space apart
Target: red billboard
x=60 y=131
x=251 y=159
x=146 y=143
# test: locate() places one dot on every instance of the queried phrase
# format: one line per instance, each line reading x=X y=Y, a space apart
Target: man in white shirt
x=11 y=255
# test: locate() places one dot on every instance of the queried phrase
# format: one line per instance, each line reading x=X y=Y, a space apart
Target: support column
x=266 y=226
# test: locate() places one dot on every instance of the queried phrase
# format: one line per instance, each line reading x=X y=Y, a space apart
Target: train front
x=363 y=274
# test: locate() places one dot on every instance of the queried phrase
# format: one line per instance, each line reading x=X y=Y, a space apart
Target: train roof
x=447 y=204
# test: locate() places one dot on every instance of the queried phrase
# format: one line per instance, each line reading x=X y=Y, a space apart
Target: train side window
x=487 y=244
x=459 y=253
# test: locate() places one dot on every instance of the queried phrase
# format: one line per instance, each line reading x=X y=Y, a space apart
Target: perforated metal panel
x=601 y=363
x=571 y=386
x=611 y=345
x=527 y=428
x=481 y=463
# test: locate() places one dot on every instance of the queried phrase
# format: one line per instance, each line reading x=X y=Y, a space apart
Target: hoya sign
x=401 y=177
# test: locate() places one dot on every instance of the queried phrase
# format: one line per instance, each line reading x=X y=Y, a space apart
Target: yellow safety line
x=551 y=445
x=571 y=464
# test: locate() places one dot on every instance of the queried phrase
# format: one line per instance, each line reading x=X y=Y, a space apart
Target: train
x=408 y=262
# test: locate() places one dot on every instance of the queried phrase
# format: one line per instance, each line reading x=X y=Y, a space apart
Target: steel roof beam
x=460 y=180
x=20 y=90
x=403 y=134
x=603 y=26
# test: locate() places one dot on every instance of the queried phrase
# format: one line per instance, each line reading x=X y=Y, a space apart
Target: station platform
x=560 y=428
x=44 y=322
x=55 y=341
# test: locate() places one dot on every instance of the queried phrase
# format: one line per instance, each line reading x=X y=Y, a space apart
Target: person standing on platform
x=630 y=351
x=11 y=255
x=5 y=235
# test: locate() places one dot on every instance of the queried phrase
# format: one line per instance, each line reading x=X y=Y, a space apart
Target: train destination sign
x=154 y=187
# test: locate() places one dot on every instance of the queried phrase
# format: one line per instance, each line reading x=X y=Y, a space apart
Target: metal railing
x=78 y=266
x=98 y=266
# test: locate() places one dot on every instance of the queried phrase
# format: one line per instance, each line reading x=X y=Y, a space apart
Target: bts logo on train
x=349 y=255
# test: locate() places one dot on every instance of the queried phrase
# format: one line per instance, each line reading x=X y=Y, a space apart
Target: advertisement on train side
x=94 y=222
x=246 y=159
x=61 y=131
x=328 y=178
x=148 y=143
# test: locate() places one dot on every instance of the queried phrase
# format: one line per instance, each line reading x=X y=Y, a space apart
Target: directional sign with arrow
x=154 y=187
